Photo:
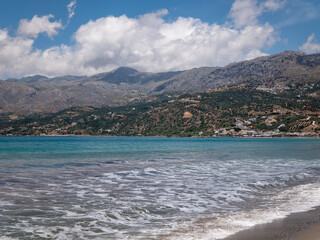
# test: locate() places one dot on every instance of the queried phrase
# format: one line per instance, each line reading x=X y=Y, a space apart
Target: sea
x=152 y=187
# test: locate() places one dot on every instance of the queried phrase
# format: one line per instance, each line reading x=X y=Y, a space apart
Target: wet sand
x=310 y=234
x=297 y=226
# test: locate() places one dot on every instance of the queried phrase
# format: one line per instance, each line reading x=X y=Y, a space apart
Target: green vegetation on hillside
x=226 y=111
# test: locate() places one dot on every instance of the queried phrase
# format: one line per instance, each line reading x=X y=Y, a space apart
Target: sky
x=85 y=37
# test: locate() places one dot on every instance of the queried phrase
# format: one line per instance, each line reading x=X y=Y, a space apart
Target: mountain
x=30 y=79
x=285 y=68
x=125 y=85
x=233 y=111
x=132 y=76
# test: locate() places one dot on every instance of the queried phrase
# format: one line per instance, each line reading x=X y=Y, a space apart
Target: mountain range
x=124 y=85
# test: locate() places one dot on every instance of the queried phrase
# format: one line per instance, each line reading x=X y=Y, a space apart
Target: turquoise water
x=151 y=188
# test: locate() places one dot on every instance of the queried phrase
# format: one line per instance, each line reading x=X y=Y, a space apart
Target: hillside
x=126 y=85
x=285 y=68
x=235 y=111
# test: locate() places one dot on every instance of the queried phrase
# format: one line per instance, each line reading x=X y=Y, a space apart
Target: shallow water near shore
x=151 y=188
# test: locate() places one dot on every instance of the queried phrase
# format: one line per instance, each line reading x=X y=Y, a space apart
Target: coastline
x=296 y=226
x=161 y=136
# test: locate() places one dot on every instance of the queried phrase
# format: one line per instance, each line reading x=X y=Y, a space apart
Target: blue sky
x=86 y=37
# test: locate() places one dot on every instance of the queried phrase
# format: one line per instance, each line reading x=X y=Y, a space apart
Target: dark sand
x=311 y=234
x=297 y=226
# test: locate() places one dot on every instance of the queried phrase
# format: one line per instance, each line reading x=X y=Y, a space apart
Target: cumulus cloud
x=148 y=43
x=31 y=28
x=11 y=50
x=310 y=46
x=246 y=12
x=71 y=7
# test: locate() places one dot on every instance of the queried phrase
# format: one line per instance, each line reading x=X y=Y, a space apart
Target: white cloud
x=246 y=12
x=39 y=25
x=273 y=5
x=71 y=7
x=148 y=43
x=310 y=46
x=11 y=51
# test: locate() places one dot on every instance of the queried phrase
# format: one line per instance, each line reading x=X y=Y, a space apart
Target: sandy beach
x=310 y=234
x=297 y=226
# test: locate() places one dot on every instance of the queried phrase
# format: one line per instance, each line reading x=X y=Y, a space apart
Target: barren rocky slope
x=124 y=85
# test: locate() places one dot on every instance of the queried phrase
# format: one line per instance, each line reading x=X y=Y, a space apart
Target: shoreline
x=296 y=226
x=193 y=175
x=160 y=136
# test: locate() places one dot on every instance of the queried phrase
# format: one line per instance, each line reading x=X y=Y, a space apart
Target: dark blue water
x=151 y=188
